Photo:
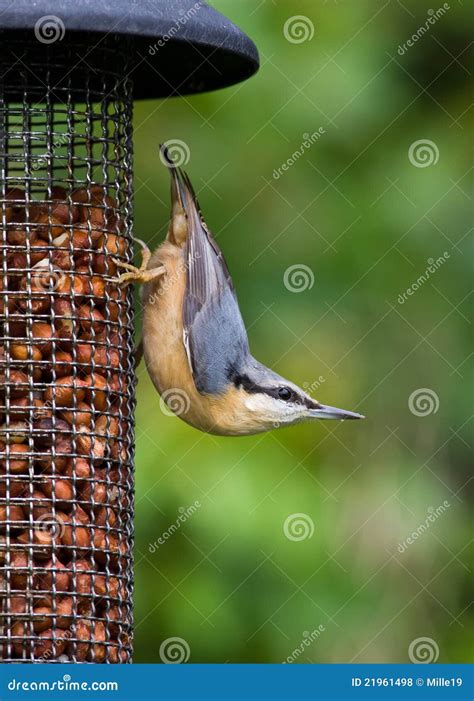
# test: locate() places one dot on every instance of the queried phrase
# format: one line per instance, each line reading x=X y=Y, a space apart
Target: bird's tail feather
x=198 y=235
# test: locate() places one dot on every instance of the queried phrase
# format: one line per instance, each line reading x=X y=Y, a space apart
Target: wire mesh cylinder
x=66 y=351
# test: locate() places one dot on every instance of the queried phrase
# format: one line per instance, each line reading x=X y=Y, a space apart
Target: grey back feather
x=214 y=332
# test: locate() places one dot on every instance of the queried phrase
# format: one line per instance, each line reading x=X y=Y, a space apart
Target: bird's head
x=266 y=401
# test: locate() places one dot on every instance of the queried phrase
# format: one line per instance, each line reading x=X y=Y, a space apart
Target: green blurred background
x=365 y=220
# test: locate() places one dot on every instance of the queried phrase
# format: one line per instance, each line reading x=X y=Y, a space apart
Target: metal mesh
x=66 y=351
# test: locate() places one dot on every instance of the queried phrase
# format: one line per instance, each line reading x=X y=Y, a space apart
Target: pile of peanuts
x=65 y=394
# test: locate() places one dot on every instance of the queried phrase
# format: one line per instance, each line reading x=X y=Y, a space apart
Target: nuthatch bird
x=194 y=340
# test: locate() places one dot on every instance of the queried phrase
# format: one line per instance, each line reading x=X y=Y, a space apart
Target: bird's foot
x=141 y=274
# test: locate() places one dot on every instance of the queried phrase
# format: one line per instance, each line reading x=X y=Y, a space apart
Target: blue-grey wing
x=214 y=332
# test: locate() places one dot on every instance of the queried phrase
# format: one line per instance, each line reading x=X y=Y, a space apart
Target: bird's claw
x=134 y=274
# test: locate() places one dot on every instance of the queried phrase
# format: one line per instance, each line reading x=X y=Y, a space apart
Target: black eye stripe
x=244 y=382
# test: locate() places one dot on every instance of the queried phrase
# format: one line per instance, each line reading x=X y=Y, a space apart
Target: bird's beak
x=330 y=412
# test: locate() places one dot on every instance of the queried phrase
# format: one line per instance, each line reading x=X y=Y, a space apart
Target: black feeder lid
x=179 y=47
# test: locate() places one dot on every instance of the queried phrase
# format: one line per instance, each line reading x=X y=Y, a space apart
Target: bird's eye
x=285 y=393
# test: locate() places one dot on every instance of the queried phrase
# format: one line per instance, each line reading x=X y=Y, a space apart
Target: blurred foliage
x=366 y=221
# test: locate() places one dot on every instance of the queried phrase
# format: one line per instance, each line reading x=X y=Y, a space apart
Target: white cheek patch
x=269 y=408
x=253 y=402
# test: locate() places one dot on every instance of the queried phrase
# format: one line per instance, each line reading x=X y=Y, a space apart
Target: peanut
x=65 y=391
x=16 y=458
x=55 y=571
x=97 y=394
x=41 y=505
x=113 y=244
x=13 y=514
x=18 y=630
x=99 y=637
x=89 y=444
x=64 y=611
x=81 y=416
x=79 y=467
x=42 y=335
x=16 y=487
x=16 y=431
x=23 y=352
x=19 y=382
x=63 y=362
x=19 y=569
x=59 y=490
x=42 y=618
x=49 y=644
x=83 y=634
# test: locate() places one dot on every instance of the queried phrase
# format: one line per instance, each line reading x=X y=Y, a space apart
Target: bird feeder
x=69 y=72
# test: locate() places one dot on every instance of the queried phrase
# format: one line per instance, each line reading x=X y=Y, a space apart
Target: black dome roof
x=179 y=46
